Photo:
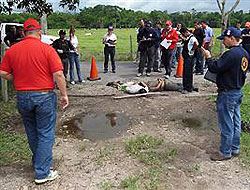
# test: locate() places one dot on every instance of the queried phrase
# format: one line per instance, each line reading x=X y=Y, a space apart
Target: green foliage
x=14 y=149
x=101 y=16
x=62 y=20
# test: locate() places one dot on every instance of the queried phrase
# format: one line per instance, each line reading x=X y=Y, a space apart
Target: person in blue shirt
x=231 y=69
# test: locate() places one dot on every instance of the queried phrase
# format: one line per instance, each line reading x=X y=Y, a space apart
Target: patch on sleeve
x=244 y=64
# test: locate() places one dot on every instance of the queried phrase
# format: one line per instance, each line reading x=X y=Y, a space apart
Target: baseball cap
x=110 y=28
x=31 y=24
x=62 y=32
x=148 y=24
x=168 y=22
x=247 y=24
x=230 y=31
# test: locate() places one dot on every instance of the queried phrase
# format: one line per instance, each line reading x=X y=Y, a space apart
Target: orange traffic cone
x=93 y=71
x=179 y=71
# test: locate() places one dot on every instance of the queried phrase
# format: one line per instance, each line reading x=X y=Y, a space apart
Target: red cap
x=31 y=24
x=168 y=22
x=247 y=24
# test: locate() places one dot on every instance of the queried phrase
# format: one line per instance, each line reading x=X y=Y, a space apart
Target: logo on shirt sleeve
x=244 y=64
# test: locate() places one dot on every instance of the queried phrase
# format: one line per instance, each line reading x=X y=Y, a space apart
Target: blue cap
x=230 y=31
x=110 y=28
x=148 y=24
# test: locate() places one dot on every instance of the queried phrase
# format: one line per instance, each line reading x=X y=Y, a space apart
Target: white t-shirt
x=74 y=42
x=191 y=44
x=111 y=37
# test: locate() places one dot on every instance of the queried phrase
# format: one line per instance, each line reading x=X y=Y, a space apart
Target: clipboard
x=165 y=43
x=210 y=76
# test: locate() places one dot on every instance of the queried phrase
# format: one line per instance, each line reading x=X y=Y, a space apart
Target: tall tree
x=225 y=15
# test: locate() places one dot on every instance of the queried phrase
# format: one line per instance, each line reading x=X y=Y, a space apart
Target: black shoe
x=113 y=71
x=196 y=89
x=105 y=71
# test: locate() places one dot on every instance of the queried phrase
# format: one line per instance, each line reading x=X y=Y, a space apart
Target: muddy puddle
x=95 y=126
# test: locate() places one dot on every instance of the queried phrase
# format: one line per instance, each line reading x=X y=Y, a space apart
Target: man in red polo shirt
x=33 y=66
x=172 y=38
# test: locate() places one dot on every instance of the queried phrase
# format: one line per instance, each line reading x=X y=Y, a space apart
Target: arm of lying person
x=6 y=75
x=158 y=87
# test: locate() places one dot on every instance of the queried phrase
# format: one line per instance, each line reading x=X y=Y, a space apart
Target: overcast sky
x=169 y=5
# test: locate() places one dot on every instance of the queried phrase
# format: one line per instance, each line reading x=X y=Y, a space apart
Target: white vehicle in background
x=4 y=29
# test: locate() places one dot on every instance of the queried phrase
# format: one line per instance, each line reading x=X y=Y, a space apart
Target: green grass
x=245 y=116
x=106 y=185
x=92 y=45
x=130 y=183
x=152 y=152
x=7 y=110
x=14 y=149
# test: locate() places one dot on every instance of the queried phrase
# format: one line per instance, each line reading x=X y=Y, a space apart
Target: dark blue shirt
x=231 y=68
x=158 y=37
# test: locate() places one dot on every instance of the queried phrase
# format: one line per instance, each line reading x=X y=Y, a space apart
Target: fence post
x=131 y=47
x=4 y=83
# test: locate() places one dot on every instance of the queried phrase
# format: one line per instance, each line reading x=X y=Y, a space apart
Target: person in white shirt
x=110 y=41
x=74 y=58
x=190 y=44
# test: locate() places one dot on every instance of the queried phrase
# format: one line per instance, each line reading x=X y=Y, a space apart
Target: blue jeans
x=228 y=110
x=38 y=111
x=74 y=58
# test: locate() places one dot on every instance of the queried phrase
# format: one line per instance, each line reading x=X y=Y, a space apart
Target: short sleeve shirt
x=108 y=38
x=191 y=43
x=32 y=63
x=209 y=34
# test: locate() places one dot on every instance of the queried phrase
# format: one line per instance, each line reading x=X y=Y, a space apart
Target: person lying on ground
x=144 y=87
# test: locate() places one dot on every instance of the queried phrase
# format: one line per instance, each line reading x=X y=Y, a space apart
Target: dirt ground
x=186 y=122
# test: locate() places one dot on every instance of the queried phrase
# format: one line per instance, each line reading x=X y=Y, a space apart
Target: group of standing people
x=163 y=47
x=68 y=51
x=36 y=99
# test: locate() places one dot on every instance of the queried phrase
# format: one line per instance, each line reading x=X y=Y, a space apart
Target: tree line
x=101 y=16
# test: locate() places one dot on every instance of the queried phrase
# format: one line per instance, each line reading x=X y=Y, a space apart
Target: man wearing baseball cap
x=231 y=69
x=33 y=66
x=172 y=37
x=246 y=37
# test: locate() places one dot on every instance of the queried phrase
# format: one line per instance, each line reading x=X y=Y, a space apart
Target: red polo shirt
x=32 y=63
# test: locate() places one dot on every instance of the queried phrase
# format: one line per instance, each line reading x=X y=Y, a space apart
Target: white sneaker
x=139 y=74
x=72 y=82
x=148 y=74
x=52 y=175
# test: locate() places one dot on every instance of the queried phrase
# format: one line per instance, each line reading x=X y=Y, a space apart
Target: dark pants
x=166 y=58
x=198 y=60
x=147 y=54
x=187 y=80
x=109 y=51
x=65 y=63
